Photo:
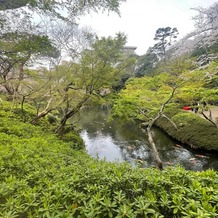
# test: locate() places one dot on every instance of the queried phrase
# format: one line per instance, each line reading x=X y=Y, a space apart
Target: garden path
x=214 y=112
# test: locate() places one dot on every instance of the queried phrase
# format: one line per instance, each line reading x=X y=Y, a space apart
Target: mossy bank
x=192 y=130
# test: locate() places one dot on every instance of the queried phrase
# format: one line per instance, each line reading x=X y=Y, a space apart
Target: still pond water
x=117 y=142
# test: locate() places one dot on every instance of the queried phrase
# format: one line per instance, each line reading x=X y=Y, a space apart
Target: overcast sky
x=141 y=18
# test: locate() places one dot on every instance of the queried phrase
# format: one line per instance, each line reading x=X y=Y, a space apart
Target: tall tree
x=165 y=37
x=201 y=40
x=206 y=24
x=72 y=84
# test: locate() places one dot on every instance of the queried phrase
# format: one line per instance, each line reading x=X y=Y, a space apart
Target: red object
x=186 y=108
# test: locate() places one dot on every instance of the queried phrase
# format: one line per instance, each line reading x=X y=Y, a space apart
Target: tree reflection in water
x=119 y=142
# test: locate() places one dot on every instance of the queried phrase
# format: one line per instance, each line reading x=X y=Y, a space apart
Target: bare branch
x=209 y=119
x=163 y=115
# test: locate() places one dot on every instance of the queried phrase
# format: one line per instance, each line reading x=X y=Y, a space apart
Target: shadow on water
x=120 y=142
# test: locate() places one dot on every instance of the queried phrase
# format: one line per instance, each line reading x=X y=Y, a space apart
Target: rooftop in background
x=130 y=49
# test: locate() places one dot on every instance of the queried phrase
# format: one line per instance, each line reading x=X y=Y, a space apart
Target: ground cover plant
x=42 y=176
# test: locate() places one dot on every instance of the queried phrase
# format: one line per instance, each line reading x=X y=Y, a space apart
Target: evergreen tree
x=164 y=36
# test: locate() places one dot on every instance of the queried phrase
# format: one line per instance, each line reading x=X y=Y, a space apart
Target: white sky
x=141 y=18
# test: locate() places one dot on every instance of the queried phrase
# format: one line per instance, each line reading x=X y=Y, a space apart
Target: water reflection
x=101 y=145
x=115 y=142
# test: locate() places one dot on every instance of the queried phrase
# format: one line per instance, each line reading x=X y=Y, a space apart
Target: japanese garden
x=91 y=129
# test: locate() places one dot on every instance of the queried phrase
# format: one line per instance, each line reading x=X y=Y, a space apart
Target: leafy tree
x=16 y=50
x=199 y=88
x=175 y=66
x=72 y=8
x=98 y=68
x=22 y=43
x=164 y=36
x=146 y=99
x=71 y=85
x=212 y=83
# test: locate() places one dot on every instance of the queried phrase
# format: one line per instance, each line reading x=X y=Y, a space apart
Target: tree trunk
x=40 y=115
x=61 y=128
x=154 y=149
x=43 y=113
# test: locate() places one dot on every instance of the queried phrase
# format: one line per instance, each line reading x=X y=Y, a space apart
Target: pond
x=120 y=142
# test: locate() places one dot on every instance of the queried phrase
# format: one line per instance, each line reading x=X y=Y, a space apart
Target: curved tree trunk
x=61 y=128
x=40 y=115
x=43 y=113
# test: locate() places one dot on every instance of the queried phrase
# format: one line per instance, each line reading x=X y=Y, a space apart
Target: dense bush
x=42 y=176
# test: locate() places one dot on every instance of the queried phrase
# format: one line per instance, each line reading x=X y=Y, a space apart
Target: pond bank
x=192 y=130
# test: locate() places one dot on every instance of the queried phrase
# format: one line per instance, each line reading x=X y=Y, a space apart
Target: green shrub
x=74 y=139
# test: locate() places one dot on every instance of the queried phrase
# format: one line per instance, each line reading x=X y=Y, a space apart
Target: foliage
x=180 y=66
x=73 y=138
x=201 y=86
x=213 y=48
x=146 y=64
x=68 y=87
x=203 y=40
x=165 y=37
x=12 y=4
x=72 y=8
x=18 y=47
x=212 y=83
x=143 y=99
x=42 y=176
x=146 y=94
x=211 y=80
x=65 y=88
x=103 y=63
x=206 y=27
x=198 y=51
x=97 y=68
